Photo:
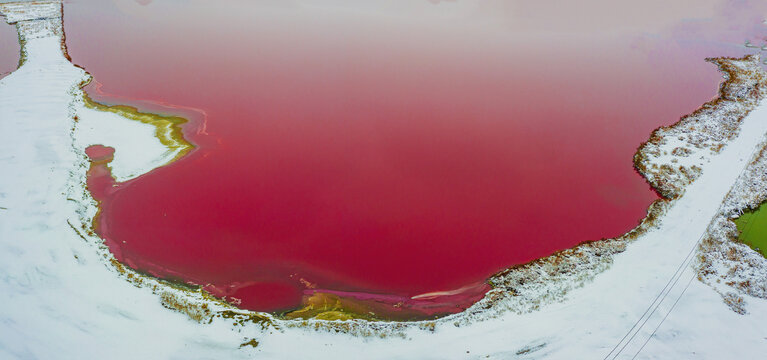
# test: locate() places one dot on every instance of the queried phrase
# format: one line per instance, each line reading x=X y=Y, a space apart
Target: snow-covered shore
x=64 y=298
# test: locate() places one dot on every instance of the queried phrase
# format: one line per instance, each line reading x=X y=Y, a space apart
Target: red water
x=391 y=149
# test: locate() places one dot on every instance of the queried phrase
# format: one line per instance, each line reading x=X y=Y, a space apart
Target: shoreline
x=513 y=281
x=522 y=289
x=509 y=282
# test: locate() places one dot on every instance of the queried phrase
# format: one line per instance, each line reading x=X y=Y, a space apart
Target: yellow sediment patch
x=22 y=53
x=167 y=127
x=251 y=343
x=324 y=306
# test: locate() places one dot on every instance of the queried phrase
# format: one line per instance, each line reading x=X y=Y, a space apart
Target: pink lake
x=399 y=152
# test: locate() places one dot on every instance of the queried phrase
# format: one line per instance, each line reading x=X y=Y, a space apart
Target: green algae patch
x=752 y=228
x=167 y=127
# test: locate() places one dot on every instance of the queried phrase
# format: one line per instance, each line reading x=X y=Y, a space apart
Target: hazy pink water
x=392 y=148
x=9 y=49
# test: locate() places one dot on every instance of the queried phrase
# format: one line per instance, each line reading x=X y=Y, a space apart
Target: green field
x=752 y=227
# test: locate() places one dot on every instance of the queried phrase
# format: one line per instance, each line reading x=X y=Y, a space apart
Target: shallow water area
x=389 y=156
x=100 y=181
x=9 y=49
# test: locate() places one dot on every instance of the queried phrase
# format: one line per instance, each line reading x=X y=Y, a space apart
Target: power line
x=656 y=302
x=664 y=318
x=674 y=279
